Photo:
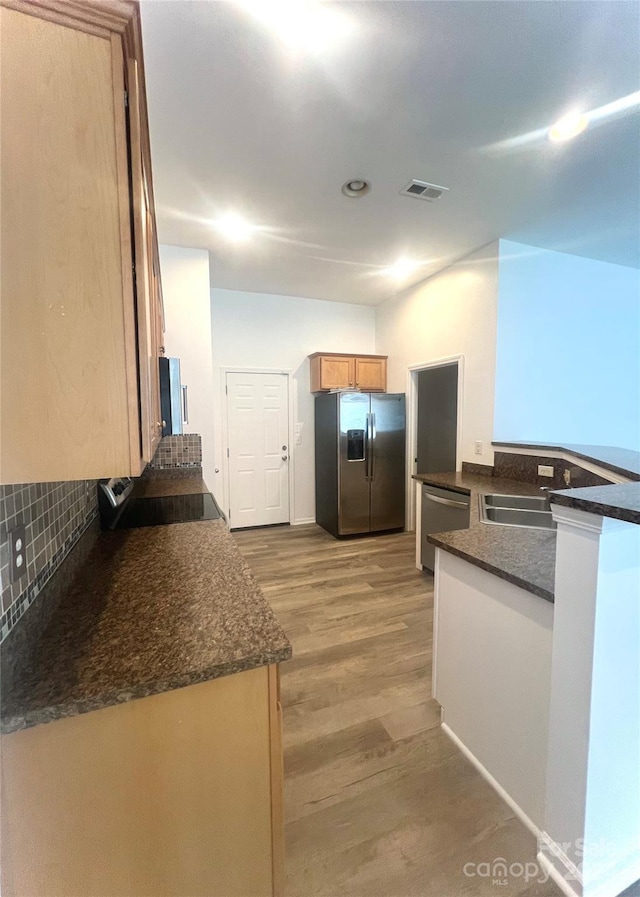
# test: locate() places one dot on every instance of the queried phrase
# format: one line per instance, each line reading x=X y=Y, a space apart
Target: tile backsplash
x=525 y=468
x=55 y=516
x=178 y=451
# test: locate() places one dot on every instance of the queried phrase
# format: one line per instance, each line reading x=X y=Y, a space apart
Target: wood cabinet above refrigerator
x=331 y=370
x=80 y=278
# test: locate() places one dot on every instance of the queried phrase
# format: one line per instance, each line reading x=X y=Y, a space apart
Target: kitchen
x=253 y=327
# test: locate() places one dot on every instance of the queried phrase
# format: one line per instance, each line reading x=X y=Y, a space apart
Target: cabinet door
x=147 y=294
x=336 y=372
x=176 y=794
x=371 y=374
x=68 y=381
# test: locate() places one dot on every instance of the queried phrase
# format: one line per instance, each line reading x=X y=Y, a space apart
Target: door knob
x=285 y=458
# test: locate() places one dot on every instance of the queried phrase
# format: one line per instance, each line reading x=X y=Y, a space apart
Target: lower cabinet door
x=167 y=795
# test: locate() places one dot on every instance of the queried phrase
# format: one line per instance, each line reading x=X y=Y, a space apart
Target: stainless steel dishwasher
x=442 y=510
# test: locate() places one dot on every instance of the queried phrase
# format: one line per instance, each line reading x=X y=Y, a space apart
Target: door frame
x=242 y=369
x=412 y=424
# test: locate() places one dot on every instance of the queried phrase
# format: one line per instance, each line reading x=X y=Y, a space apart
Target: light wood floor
x=378 y=801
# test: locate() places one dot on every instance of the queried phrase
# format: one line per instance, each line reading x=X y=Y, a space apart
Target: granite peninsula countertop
x=524 y=557
x=150 y=610
x=620 y=500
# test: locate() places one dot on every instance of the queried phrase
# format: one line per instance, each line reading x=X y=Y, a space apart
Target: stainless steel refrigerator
x=360 y=462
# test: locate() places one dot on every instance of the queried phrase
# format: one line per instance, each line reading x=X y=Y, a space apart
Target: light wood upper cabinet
x=147 y=276
x=371 y=373
x=76 y=398
x=338 y=371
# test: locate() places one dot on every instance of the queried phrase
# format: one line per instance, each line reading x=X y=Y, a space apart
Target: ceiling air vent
x=422 y=190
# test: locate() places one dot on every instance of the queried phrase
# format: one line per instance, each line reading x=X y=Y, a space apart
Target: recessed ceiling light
x=356 y=187
x=569 y=126
x=401 y=269
x=234 y=227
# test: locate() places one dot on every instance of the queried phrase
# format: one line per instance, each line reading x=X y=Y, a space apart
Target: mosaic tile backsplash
x=55 y=516
x=178 y=451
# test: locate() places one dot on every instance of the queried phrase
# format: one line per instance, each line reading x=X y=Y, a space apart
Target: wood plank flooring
x=378 y=801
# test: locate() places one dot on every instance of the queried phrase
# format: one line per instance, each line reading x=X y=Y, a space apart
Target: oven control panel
x=117 y=490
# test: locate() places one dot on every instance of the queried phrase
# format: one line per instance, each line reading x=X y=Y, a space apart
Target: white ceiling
x=238 y=123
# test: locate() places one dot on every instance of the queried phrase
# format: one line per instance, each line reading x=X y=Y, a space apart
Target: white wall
x=258 y=330
x=452 y=313
x=580 y=319
x=185 y=288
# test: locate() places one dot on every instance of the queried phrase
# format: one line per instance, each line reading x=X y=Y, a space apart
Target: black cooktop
x=168 y=509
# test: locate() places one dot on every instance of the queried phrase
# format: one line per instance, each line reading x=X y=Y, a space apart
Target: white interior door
x=258 y=433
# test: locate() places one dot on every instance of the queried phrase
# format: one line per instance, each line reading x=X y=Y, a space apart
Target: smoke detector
x=423 y=190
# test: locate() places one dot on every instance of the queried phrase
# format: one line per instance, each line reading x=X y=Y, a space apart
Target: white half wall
x=187 y=312
x=492 y=676
x=452 y=313
x=267 y=332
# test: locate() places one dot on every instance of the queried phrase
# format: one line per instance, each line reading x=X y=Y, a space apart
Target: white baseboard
x=570 y=880
x=303 y=521
x=497 y=787
x=557 y=865
x=551 y=858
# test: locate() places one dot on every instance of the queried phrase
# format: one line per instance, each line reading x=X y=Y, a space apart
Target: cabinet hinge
x=227 y=453
x=126 y=99
x=226 y=390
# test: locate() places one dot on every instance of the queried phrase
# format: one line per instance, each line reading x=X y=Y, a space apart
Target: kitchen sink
x=523 y=502
x=517 y=510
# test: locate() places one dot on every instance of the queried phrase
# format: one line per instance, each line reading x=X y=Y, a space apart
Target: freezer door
x=387 y=461
x=353 y=485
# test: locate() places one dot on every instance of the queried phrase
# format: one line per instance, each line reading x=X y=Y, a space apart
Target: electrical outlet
x=17 y=552
x=478 y=447
x=545 y=470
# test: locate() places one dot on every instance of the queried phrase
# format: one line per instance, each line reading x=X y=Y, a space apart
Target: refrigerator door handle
x=367 y=448
x=372 y=444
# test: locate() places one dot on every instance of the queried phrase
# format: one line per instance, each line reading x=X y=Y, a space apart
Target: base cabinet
x=173 y=795
x=338 y=371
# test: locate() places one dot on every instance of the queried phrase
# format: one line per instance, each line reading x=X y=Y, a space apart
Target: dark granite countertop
x=620 y=501
x=150 y=610
x=524 y=557
x=155 y=487
x=625 y=462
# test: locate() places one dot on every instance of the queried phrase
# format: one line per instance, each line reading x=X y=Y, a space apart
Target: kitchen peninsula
x=142 y=730
x=536 y=661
